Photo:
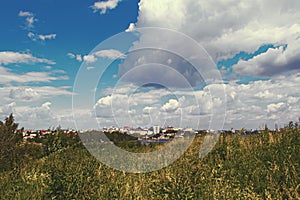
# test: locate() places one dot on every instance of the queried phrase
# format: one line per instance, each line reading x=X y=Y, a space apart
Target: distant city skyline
x=253 y=46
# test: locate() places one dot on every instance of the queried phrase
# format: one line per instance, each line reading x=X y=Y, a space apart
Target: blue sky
x=77 y=29
x=255 y=62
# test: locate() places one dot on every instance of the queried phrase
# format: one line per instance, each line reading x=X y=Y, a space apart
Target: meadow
x=257 y=166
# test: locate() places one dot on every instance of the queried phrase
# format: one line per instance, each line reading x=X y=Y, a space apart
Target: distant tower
x=266 y=127
x=156 y=129
x=276 y=126
x=262 y=126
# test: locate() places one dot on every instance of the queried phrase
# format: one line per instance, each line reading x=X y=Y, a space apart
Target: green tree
x=9 y=130
x=291 y=125
x=59 y=140
x=10 y=139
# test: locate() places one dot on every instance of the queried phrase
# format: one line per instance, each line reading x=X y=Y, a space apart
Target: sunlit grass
x=262 y=166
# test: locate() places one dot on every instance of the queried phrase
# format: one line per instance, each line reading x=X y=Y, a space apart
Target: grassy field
x=261 y=166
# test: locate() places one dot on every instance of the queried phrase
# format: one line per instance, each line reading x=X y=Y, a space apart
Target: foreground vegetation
x=258 y=166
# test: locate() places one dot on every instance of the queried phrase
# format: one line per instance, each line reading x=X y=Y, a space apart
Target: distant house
x=30 y=134
x=46 y=132
x=139 y=131
x=111 y=129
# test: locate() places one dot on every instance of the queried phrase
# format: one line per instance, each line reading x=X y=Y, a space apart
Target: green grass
x=263 y=166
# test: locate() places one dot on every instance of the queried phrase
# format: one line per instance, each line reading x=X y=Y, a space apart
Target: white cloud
x=147 y=109
x=93 y=57
x=27 y=94
x=114 y=107
x=32 y=36
x=31 y=117
x=108 y=53
x=36 y=37
x=226 y=28
x=25 y=14
x=47 y=37
x=276 y=107
x=36 y=117
x=71 y=55
x=79 y=58
x=248 y=105
x=273 y=62
x=103 y=102
x=9 y=57
x=23 y=93
x=32 y=108
x=5 y=110
x=170 y=106
x=263 y=102
x=130 y=28
x=127 y=108
x=103 y=6
x=46 y=105
x=268 y=95
x=292 y=100
x=8 y=77
x=30 y=19
x=89 y=58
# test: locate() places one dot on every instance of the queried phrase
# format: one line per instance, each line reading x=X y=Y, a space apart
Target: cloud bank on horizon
x=255 y=45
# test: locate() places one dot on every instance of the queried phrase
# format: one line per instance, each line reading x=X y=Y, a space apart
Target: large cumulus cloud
x=226 y=28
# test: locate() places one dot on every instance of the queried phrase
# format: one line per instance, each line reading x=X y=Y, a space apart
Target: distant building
x=188 y=130
x=139 y=131
x=127 y=128
x=156 y=129
x=276 y=126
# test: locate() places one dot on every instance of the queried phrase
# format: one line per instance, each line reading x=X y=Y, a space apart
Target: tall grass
x=261 y=166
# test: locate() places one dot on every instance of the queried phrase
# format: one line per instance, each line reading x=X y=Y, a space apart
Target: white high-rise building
x=156 y=129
